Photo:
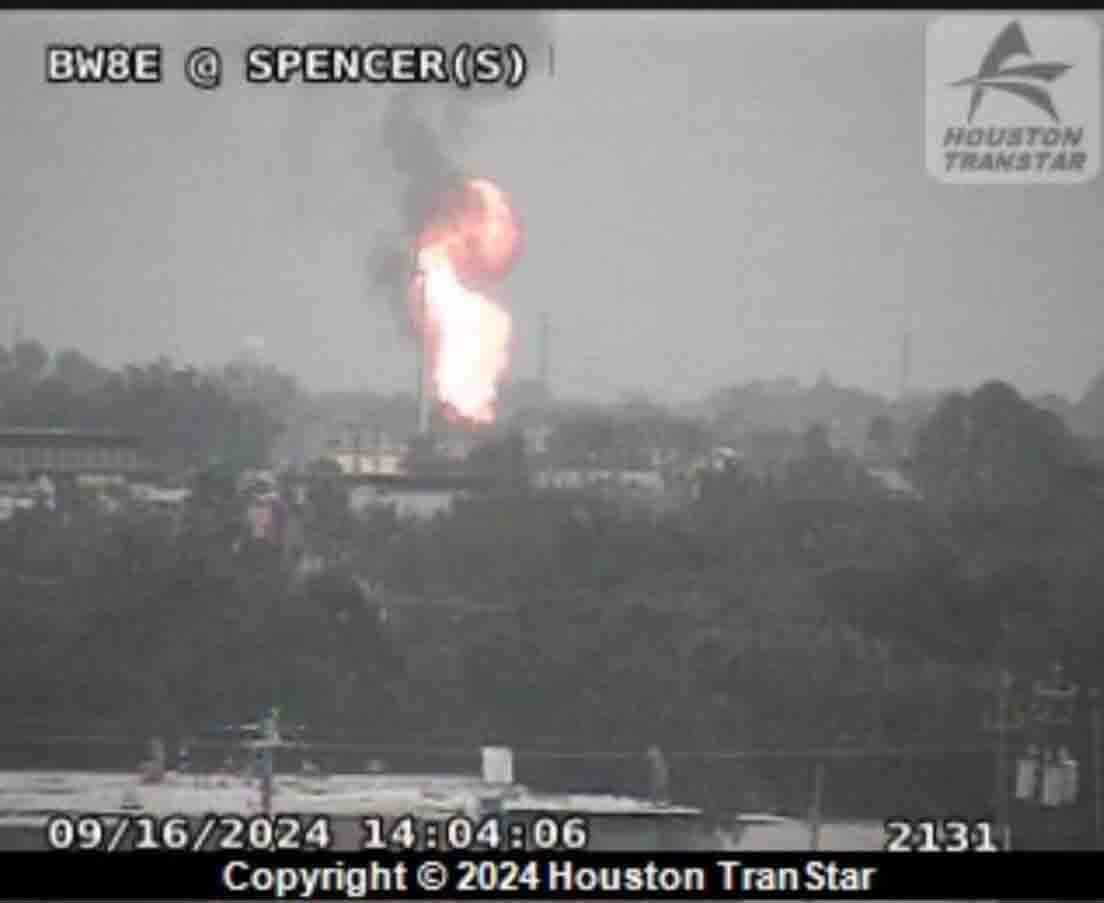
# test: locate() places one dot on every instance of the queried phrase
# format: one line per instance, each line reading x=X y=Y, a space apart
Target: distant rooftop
x=398 y=482
x=26 y=435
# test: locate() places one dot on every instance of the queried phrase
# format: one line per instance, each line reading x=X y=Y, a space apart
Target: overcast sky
x=708 y=199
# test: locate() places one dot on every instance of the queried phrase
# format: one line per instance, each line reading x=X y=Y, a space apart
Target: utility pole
x=1004 y=685
x=1098 y=777
x=816 y=807
x=265 y=748
x=1053 y=711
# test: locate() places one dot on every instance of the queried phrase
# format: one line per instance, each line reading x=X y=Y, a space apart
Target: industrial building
x=88 y=457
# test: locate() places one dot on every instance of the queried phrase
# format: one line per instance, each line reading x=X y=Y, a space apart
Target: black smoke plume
x=424 y=131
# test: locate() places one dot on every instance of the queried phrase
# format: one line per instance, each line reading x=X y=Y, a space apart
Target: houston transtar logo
x=1013 y=100
x=1022 y=81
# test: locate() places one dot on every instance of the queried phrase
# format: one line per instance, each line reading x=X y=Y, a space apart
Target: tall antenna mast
x=544 y=351
x=905 y=349
x=421 y=353
x=423 y=390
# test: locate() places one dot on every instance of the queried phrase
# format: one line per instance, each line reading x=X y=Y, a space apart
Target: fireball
x=469 y=246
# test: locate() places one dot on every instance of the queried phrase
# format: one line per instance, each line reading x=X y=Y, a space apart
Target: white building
x=408 y=503
x=410 y=496
x=586 y=477
x=366 y=451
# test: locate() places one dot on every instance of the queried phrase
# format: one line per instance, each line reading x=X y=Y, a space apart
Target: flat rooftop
x=26 y=797
x=54 y=436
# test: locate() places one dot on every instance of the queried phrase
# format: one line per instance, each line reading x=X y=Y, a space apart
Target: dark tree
x=992 y=448
x=77 y=372
x=31 y=358
x=881 y=430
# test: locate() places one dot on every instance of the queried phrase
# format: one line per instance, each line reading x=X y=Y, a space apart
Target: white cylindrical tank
x=1027 y=774
x=1069 y=776
x=498 y=765
x=1053 y=782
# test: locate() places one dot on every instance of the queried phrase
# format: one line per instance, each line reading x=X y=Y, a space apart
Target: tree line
x=810 y=609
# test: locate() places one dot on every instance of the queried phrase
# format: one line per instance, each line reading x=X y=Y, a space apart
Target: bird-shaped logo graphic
x=1023 y=81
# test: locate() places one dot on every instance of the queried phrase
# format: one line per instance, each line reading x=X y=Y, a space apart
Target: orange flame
x=472 y=244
